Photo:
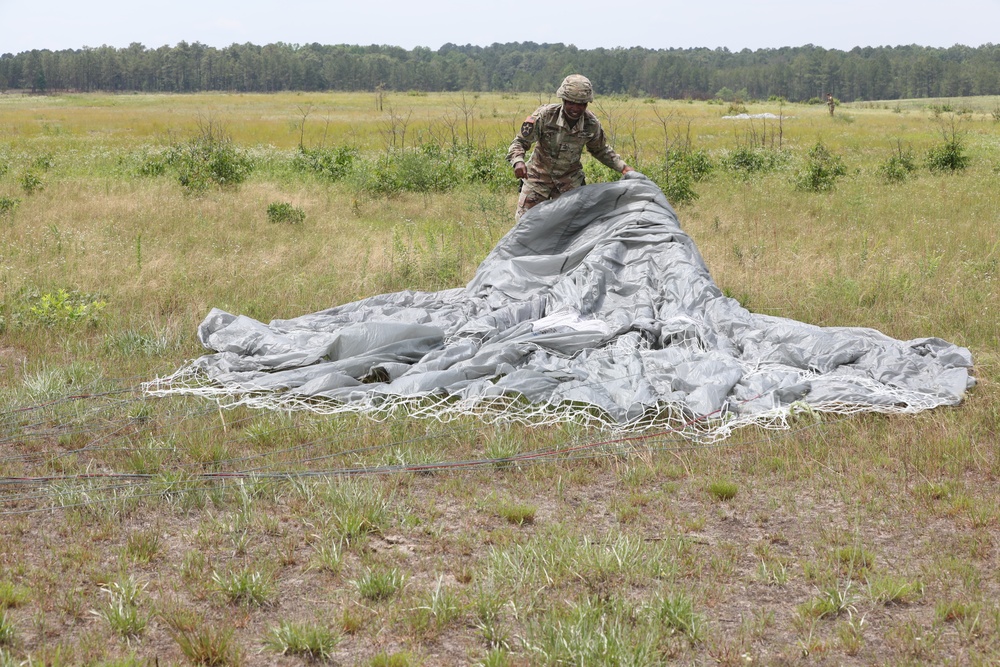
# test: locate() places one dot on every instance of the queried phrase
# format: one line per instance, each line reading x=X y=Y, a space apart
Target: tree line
x=794 y=73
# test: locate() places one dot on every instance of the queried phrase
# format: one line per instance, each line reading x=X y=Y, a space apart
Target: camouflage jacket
x=556 y=158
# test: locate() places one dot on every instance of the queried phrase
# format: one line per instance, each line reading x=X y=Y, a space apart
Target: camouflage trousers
x=535 y=192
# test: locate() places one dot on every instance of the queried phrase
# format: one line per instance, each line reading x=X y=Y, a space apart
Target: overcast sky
x=753 y=24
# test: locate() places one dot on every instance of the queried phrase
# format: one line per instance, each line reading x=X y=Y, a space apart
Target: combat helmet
x=576 y=88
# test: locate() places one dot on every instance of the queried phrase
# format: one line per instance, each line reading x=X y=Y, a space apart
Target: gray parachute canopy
x=595 y=307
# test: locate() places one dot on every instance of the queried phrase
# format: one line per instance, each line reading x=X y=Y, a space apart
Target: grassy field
x=139 y=530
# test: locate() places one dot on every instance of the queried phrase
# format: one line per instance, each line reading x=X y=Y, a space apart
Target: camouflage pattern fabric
x=554 y=167
x=576 y=88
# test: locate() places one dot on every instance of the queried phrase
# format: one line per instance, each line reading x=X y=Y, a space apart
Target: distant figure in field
x=830 y=102
x=561 y=131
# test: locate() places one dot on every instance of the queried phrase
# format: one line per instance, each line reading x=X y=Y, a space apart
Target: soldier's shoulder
x=547 y=110
x=542 y=113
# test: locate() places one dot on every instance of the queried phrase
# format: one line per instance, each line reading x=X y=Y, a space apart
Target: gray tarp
x=596 y=300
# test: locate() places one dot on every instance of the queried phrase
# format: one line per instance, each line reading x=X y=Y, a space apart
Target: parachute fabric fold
x=596 y=307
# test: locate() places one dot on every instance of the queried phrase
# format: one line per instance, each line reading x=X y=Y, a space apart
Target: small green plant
x=283 y=212
x=490 y=167
x=898 y=167
x=676 y=612
x=48 y=382
x=245 y=588
x=723 y=490
x=501 y=449
x=597 y=633
x=748 y=161
x=399 y=659
x=949 y=155
x=951 y=611
x=143 y=547
x=356 y=510
x=12 y=595
x=352 y=620
x=378 y=585
x=889 y=589
x=821 y=170
x=139 y=341
x=155 y=163
x=517 y=513
x=328 y=557
x=439 y=608
x=851 y=633
x=772 y=572
x=854 y=559
x=678 y=173
x=203 y=643
x=66 y=307
x=31 y=183
x=7 y=630
x=331 y=163
x=8 y=205
x=831 y=602
x=495 y=657
x=43 y=162
x=315 y=642
x=494 y=633
x=122 y=611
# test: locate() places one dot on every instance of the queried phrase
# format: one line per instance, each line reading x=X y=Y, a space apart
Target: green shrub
x=679 y=172
x=676 y=182
x=949 y=155
x=425 y=169
x=210 y=159
x=595 y=172
x=284 y=212
x=898 y=167
x=698 y=164
x=678 y=189
x=331 y=163
x=8 y=205
x=746 y=161
x=66 y=307
x=155 y=164
x=31 y=183
x=490 y=167
x=821 y=170
x=43 y=162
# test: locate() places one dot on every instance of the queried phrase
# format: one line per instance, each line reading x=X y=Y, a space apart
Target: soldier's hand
x=520 y=170
x=627 y=169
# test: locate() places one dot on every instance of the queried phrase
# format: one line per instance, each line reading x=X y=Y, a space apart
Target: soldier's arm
x=599 y=148
x=527 y=135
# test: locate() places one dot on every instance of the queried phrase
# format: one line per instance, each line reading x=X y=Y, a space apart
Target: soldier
x=561 y=131
x=830 y=102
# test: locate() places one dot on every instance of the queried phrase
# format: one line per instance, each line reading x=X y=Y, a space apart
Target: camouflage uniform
x=554 y=167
